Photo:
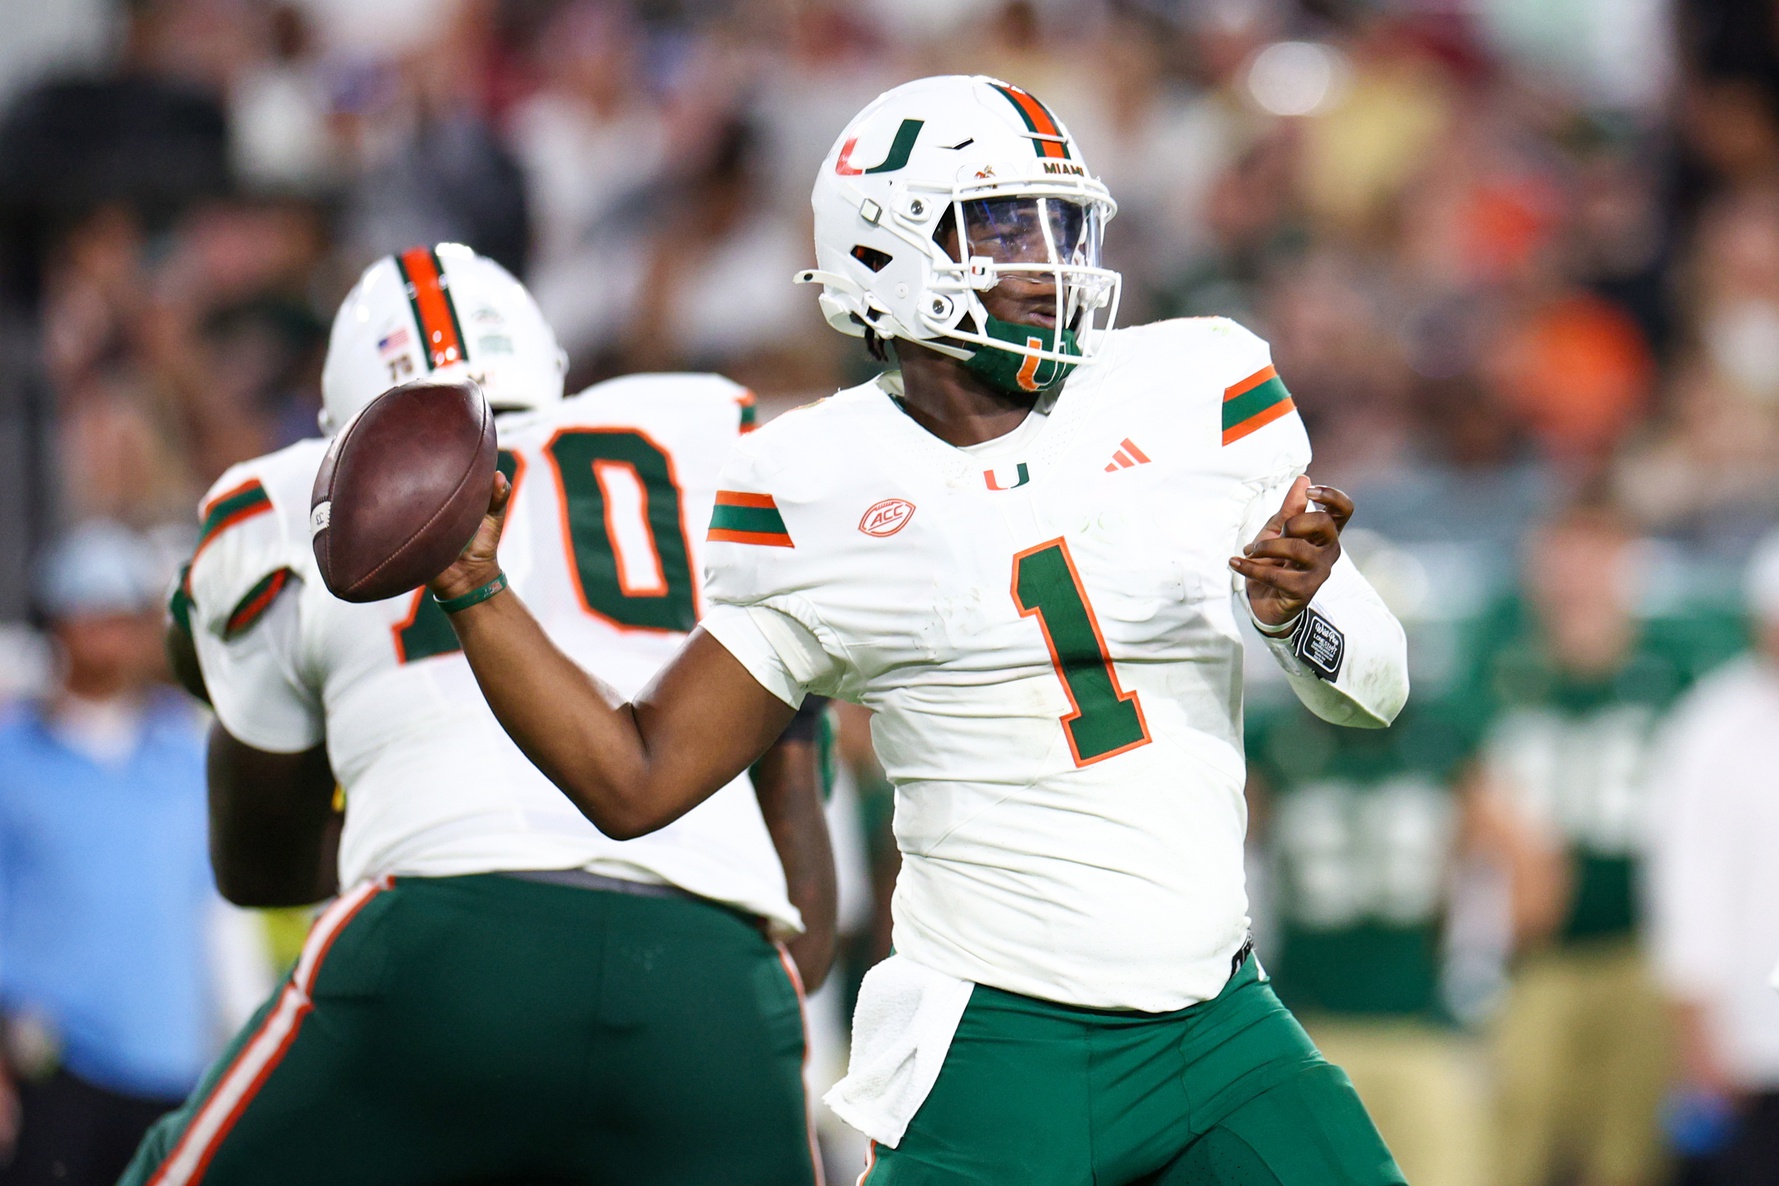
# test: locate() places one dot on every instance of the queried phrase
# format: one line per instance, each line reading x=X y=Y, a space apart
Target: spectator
x=598 y=147
x=715 y=294
x=105 y=891
x=434 y=169
x=1714 y=892
x=1583 y=1047
x=152 y=135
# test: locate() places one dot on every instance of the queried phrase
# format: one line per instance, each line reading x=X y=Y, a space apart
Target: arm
x=1343 y=652
x=1537 y=873
x=181 y=647
x=1701 y=1066
x=630 y=767
x=876 y=809
x=274 y=833
x=788 y=784
x=235 y=636
x=182 y=658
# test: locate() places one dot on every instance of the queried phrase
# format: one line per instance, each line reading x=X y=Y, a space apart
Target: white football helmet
x=439 y=311
x=978 y=162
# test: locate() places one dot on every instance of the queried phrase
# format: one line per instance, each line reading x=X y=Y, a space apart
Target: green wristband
x=452 y=605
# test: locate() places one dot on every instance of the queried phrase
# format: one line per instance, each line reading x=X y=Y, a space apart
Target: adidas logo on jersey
x=1127 y=456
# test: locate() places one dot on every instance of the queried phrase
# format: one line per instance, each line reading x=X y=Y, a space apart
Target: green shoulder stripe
x=744 y=518
x=1254 y=403
x=227 y=509
x=254 y=604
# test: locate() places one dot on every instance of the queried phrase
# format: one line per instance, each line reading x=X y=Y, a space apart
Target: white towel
x=901 y=1030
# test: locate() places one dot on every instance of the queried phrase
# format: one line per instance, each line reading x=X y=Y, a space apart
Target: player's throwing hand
x=477 y=564
x=1294 y=553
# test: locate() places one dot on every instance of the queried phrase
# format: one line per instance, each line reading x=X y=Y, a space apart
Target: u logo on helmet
x=899 y=151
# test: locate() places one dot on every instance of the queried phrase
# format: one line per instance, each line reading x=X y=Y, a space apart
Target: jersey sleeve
x=1259 y=435
x=256 y=686
x=753 y=585
x=239 y=601
x=1347 y=658
x=1347 y=661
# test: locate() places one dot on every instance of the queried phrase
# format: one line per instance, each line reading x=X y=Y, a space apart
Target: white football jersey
x=604 y=540
x=1046 y=627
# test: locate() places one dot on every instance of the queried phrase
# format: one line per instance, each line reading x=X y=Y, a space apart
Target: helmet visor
x=1027 y=230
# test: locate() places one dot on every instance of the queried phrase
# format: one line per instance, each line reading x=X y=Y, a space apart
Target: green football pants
x=1229 y=1092
x=492 y=1029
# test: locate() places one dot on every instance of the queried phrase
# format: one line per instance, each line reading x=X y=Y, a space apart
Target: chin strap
x=1020 y=374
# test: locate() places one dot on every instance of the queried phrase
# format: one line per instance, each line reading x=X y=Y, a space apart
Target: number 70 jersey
x=604 y=541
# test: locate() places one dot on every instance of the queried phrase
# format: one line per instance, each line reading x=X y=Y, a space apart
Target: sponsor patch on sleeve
x=1320 y=644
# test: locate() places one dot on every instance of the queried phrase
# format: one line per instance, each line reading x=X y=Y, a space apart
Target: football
x=402 y=488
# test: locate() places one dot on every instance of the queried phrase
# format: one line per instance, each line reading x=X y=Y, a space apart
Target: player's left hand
x=1294 y=553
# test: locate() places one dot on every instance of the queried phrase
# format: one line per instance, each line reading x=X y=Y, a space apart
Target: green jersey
x=1359 y=829
x=1574 y=750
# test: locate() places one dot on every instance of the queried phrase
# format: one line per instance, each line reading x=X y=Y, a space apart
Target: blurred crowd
x=1518 y=261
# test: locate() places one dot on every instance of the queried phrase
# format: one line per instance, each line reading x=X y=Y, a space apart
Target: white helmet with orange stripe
x=441 y=311
x=943 y=188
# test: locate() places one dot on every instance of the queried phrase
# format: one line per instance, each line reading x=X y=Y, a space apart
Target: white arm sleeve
x=1370 y=685
x=255 y=683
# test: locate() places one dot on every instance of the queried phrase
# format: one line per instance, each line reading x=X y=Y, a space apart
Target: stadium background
x=1511 y=255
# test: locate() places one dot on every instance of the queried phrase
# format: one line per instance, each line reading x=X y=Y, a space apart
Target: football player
x=498 y=991
x=1362 y=829
x=1016 y=547
x=1583 y=680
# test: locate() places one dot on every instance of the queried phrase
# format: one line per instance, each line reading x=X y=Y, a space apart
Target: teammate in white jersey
x=1026 y=547
x=500 y=991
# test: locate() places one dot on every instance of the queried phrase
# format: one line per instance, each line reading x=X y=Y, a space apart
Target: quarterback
x=1026 y=547
x=498 y=992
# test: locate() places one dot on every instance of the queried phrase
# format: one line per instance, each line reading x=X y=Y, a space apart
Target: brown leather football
x=402 y=489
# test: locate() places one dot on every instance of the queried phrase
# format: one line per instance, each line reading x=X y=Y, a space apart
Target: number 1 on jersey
x=1106 y=720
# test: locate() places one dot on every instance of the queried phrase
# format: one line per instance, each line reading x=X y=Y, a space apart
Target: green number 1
x=1106 y=720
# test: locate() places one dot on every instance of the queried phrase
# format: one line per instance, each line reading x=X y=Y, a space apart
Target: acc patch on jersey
x=886 y=517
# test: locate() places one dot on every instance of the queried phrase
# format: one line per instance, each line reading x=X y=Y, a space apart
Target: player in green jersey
x=1580 y=685
x=1359 y=832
